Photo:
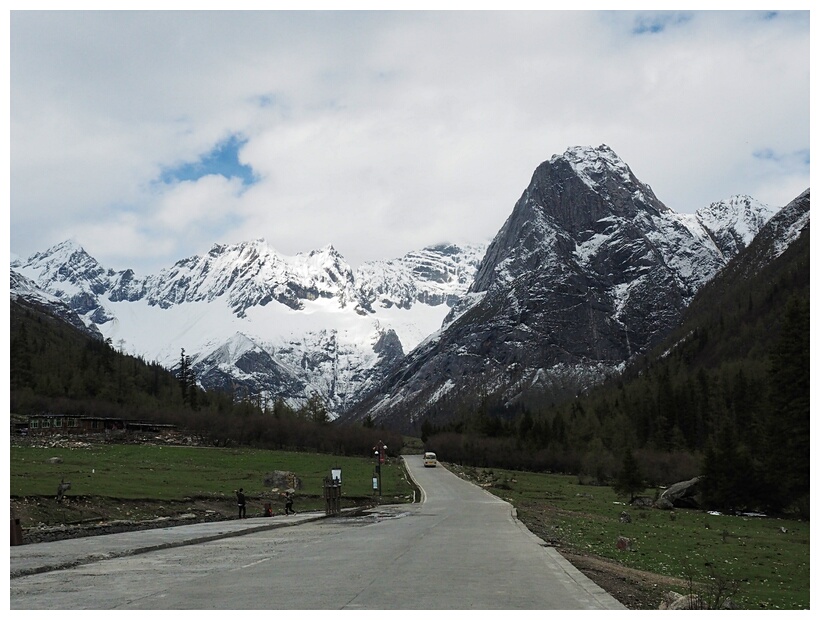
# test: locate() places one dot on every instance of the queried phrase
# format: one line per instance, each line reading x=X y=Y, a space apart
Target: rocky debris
x=625 y=517
x=72 y=442
x=66 y=442
x=623 y=543
x=673 y=600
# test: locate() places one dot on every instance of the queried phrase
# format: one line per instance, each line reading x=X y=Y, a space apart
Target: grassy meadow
x=156 y=472
x=765 y=559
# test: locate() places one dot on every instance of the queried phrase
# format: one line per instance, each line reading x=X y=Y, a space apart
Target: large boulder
x=282 y=480
x=681 y=495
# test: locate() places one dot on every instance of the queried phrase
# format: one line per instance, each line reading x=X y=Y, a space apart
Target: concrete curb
x=54 y=563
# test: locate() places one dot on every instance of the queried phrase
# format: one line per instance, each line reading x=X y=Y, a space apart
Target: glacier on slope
x=259 y=323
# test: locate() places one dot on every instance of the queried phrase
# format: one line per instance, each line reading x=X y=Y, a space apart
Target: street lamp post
x=379 y=452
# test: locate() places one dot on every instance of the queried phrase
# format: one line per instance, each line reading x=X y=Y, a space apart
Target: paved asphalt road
x=459 y=549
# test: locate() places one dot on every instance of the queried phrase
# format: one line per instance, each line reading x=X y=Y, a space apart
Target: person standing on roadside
x=289 y=504
x=240 y=502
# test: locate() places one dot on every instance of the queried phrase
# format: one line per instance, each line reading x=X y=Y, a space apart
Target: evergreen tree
x=525 y=424
x=315 y=410
x=193 y=398
x=183 y=376
x=426 y=429
x=630 y=479
x=187 y=382
x=729 y=480
x=559 y=432
x=20 y=360
x=788 y=461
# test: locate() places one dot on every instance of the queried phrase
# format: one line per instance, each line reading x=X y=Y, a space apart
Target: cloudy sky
x=149 y=136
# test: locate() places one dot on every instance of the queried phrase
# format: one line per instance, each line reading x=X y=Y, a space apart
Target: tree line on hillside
x=727 y=400
x=743 y=426
x=56 y=369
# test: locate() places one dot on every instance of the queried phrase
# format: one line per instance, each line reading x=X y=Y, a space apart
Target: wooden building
x=53 y=424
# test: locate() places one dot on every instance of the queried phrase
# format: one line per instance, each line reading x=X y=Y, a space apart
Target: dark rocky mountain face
x=27 y=294
x=589 y=270
x=775 y=236
x=765 y=275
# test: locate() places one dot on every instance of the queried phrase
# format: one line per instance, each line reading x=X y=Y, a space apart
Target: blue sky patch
x=222 y=159
x=653 y=23
x=764 y=154
x=800 y=157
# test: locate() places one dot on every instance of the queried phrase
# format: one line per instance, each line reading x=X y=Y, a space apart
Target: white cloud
x=196 y=204
x=123 y=237
x=382 y=132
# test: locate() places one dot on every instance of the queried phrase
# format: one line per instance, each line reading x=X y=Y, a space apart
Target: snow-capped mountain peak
x=66 y=262
x=250 y=274
x=589 y=270
x=281 y=326
x=591 y=163
x=734 y=222
x=600 y=167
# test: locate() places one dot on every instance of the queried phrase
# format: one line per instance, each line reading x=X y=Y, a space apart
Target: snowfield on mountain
x=589 y=270
x=279 y=326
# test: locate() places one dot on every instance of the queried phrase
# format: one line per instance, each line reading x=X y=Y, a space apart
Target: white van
x=429 y=459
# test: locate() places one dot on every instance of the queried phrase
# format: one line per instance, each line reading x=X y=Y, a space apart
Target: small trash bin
x=16 y=532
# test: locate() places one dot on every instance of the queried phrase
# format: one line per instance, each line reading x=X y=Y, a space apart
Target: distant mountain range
x=589 y=271
x=255 y=321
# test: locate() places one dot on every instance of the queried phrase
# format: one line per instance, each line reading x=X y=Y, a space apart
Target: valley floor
x=90 y=516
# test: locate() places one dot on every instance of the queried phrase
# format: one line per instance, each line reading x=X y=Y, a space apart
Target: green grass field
x=177 y=472
x=767 y=558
